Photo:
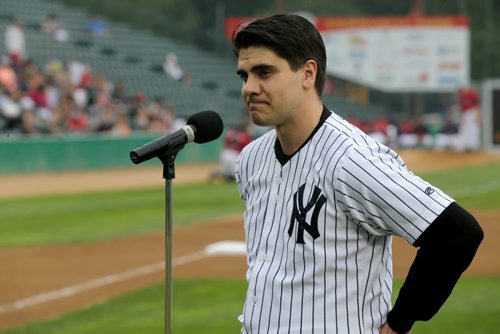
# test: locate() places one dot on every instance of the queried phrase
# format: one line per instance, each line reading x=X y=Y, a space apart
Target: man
x=323 y=201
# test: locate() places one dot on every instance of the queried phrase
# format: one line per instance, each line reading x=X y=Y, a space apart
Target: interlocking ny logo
x=300 y=212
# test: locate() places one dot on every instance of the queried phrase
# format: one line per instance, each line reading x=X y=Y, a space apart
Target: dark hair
x=291 y=37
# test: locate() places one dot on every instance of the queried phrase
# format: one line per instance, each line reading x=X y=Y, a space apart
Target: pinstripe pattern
x=339 y=282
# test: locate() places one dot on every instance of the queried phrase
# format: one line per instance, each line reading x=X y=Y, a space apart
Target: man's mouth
x=256 y=102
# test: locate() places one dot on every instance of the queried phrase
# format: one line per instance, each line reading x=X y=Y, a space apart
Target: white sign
x=399 y=54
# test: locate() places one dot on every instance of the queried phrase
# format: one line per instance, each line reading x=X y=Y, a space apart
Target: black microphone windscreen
x=208 y=126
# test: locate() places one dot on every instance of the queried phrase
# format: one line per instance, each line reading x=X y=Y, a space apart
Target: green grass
x=473 y=307
x=212 y=306
x=473 y=187
x=101 y=215
x=199 y=306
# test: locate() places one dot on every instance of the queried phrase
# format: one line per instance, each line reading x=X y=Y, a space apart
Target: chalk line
x=111 y=279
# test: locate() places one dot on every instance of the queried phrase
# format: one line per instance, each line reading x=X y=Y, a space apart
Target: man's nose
x=251 y=87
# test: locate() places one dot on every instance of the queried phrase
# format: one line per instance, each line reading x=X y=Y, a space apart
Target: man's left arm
x=447 y=248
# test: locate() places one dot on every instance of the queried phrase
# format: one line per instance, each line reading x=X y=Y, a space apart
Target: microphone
x=201 y=128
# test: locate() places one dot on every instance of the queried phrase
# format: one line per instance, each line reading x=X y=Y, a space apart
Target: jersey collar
x=284 y=158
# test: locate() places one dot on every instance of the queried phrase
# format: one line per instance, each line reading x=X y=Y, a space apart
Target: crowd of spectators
x=59 y=97
x=457 y=129
x=70 y=98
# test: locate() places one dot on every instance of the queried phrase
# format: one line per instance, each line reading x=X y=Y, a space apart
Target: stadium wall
x=31 y=155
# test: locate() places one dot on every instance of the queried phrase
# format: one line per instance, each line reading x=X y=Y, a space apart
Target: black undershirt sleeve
x=447 y=247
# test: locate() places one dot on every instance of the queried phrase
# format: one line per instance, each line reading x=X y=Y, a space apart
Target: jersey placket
x=261 y=294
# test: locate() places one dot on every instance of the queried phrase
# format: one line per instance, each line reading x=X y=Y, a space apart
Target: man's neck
x=295 y=132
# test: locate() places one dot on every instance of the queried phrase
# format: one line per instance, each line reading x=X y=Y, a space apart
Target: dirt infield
x=19 y=185
x=43 y=282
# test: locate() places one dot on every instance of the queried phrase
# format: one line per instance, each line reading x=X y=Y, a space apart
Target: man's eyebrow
x=256 y=68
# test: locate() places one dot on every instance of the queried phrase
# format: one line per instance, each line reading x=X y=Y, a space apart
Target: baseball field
x=83 y=252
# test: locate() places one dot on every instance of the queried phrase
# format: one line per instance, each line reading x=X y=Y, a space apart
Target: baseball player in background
x=323 y=200
x=235 y=140
x=470 y=129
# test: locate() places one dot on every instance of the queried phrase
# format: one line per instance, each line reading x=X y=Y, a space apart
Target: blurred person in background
x=52 y=27
x=119 y=91
x=100 y=90
x=235 y=140
x=407 y=137
x=173 y=69
x=96 y=27
x=179 y=121
x=159 y=116
x=469 y=130
x=8 y=77
x=10 y=110
x=447 y=138
x=15 y=41
x=379 y=129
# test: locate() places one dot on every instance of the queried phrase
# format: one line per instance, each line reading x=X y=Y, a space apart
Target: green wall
x=29 y=155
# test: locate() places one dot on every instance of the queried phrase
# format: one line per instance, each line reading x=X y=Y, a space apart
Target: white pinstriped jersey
x=319 y=229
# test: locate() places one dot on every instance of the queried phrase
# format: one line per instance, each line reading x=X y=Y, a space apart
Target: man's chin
x=259 y=121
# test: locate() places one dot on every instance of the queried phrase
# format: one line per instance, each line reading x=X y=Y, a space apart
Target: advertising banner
x=395 y=54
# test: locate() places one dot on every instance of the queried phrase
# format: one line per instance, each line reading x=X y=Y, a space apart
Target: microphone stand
x=166 y=149
x=168 y=160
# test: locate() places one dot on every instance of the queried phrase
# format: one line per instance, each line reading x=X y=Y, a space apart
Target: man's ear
x=310 y=70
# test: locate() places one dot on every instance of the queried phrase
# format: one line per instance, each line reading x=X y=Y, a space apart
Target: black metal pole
x=168 y=174
x=168 y=256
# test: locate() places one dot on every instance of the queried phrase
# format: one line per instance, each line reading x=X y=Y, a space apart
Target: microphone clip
x=168 y=161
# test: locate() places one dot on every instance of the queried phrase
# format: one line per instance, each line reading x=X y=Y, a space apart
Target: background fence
x=19 y=155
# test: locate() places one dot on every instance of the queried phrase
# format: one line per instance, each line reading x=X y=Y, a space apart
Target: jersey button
x=276 y=198
x=255 y=299
x=279 y=180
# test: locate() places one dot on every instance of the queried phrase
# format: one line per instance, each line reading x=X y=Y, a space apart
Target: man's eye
x=243 y=78
x=265 y=73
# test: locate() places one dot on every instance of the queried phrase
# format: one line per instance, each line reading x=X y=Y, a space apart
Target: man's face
x=271 y=90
